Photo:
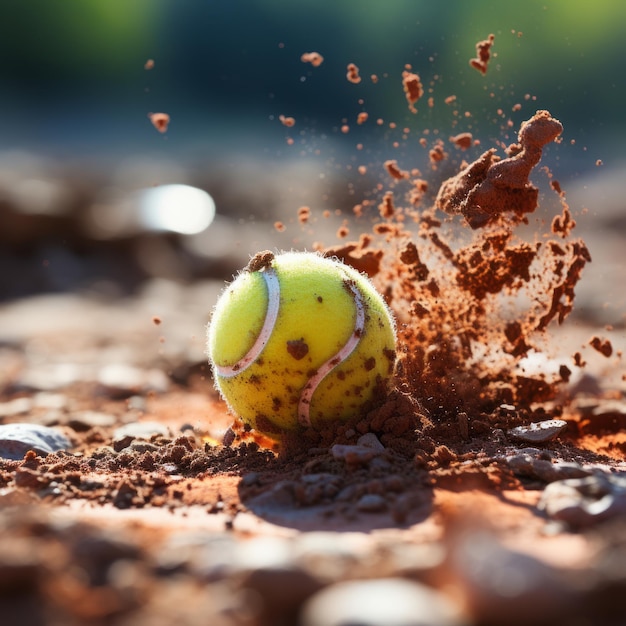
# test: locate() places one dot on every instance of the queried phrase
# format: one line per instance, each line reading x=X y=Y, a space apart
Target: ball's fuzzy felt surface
x=298 y=340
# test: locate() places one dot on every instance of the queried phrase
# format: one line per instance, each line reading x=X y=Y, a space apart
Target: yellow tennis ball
x=298 y=340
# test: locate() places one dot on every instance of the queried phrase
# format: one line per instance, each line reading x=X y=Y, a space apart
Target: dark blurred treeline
x=72 y=70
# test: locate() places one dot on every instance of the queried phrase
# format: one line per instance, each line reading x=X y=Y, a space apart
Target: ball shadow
x=327 y=495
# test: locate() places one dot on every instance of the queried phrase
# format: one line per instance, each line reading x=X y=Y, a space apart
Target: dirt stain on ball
x=297 y=348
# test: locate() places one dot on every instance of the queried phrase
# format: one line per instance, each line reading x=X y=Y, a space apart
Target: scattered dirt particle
x=304 y=214
x=160 y=121
x=386 y=207
x=314 y=58
x=420 y=187
x=353 y=74
x=443 y=455
x=354 y=254
x=563 y=224
x=603 y=346
x=462 y=140
x=483 y=54
x=409 y=255
x=556 y=186
x=289 y=122
x=394 y=171
x=437 y=153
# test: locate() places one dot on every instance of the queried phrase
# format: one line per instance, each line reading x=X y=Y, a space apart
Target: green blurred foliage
x=71 y=40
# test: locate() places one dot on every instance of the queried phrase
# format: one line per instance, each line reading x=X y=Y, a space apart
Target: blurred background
x=95 y=199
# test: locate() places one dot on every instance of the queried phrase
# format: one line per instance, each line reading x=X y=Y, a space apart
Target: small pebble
x=136 y=403
x=16 y=497
x=371 y=503
x=207 y=556
x=612 y=408
x=380 y=602
x=170 y=468
x=48 y=400
x=347 y=494
x=504 y=586
x=543 y=469
x=18 y=406
x=416 y=561
x=542 y=453
x=263 y=552
x=337 y=553
x=323 y=478
x=538 y=432
x=85 y=420
x=122 y=443
x=140 y=430
x=52 y=376
x=122 y=379
x=370 y=440
x=264 y=567
x=250 y=480
x=282 y=591
x=379 y=463
x=583 y=502
x=279 y=496
x=17 y=439
x=143 y=446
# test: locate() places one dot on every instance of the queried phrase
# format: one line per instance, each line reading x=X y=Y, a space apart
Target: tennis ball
x=298 y=340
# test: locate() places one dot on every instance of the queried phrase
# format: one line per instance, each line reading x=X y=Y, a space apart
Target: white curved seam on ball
x=304 y=405
x=271 y=315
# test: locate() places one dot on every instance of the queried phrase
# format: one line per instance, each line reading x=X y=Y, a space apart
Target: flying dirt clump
x=469 y=308
x=489 y=187
x=413 y=89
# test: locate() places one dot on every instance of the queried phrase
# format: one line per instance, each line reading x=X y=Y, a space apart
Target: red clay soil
x=440 y=481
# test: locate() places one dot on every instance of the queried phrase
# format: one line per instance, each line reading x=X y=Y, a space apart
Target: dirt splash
x=489 y=187
x=470 y=307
